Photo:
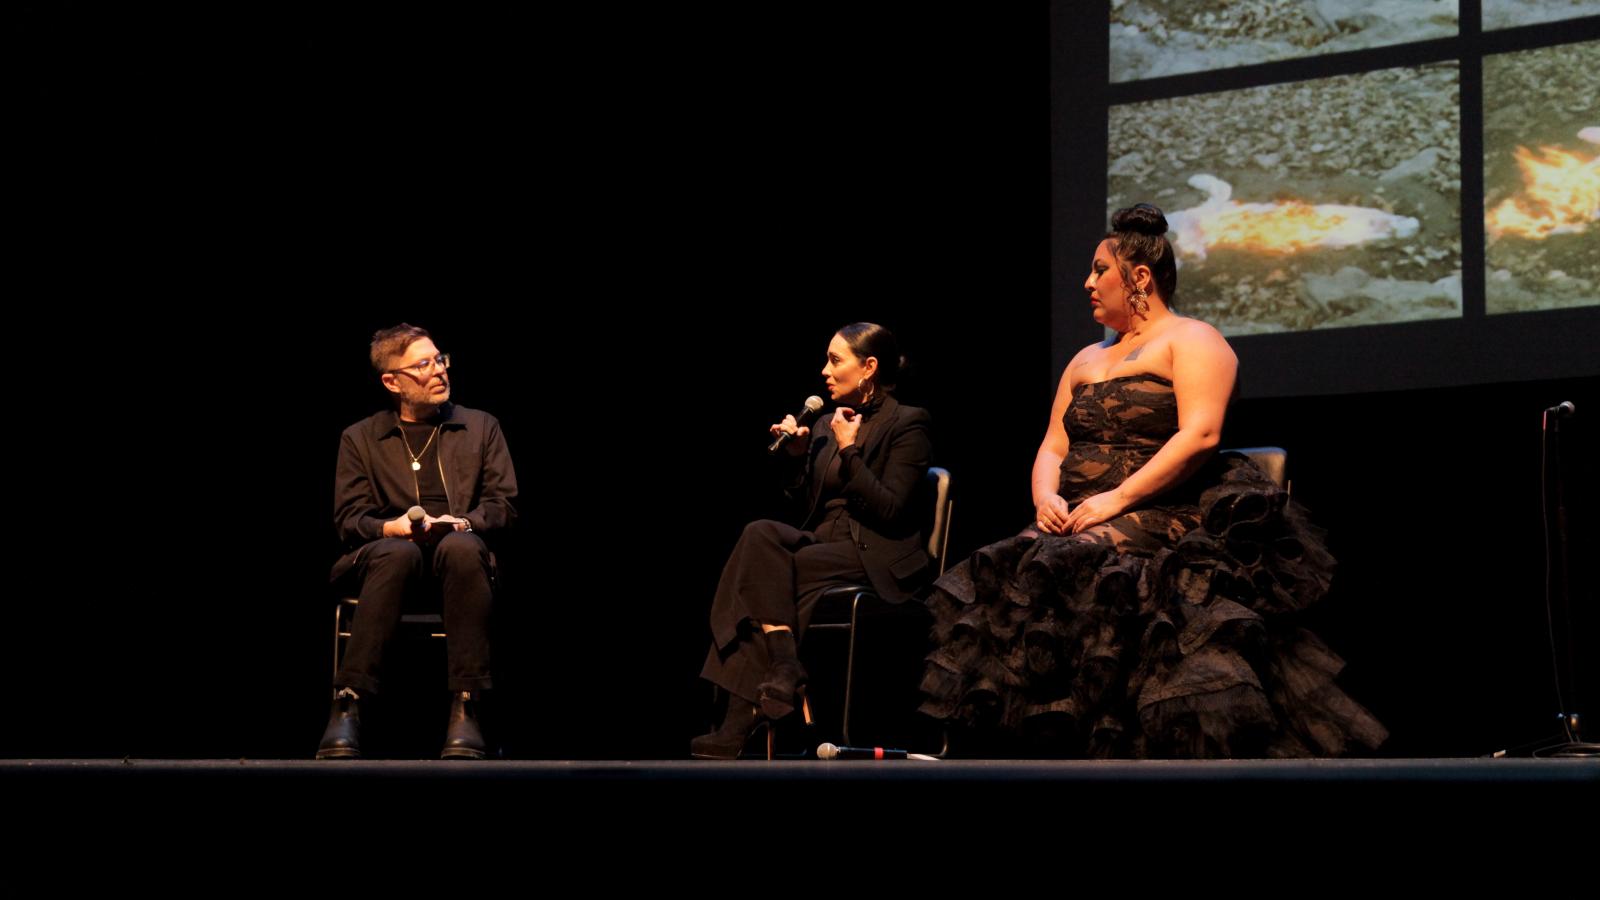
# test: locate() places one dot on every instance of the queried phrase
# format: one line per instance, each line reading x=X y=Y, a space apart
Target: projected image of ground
x=1511 y=13
x=1316 y=204
x=1541 y=178
x=1151 y=38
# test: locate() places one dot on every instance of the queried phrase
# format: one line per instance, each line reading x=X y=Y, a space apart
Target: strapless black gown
x=1169 y=632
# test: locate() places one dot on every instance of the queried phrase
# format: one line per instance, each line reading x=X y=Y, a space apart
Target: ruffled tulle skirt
x=1169 y=632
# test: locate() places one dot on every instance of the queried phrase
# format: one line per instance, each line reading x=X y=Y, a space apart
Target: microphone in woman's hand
x=418 y=517
x=805 y=417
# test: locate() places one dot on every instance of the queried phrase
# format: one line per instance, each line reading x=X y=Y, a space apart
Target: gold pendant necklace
x=416 y=461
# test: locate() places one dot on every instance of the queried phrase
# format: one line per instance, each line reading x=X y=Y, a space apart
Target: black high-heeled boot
x=728 y=741
x=786 y=678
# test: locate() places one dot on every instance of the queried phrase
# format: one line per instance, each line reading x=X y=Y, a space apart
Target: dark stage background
x=636 y=235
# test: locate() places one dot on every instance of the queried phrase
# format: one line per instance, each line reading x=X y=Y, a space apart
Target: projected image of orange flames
x=1560 y=194
x=1284 y=227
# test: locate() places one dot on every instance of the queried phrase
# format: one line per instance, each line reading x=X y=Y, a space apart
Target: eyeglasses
x=425 y=368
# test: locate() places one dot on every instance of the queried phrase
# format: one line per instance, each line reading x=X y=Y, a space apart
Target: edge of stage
x=1125 y=773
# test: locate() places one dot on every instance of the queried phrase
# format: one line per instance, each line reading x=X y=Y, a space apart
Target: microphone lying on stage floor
x=833 y=751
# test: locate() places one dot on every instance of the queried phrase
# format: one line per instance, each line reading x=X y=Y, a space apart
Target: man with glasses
x=417 y=490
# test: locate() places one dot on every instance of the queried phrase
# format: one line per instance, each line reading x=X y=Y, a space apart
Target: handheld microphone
x=805 y=417
x=831 y=751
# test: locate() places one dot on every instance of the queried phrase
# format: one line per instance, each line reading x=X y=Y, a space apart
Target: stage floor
x=678 y=813
x=1127 y=772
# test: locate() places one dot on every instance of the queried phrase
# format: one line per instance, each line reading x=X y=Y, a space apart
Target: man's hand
x=400 y=526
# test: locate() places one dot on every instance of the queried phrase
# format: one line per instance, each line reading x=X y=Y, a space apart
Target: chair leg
x=850 y=667
x=338 y=623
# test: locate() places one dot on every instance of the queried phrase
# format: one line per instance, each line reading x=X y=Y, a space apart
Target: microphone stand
x=1568 y=742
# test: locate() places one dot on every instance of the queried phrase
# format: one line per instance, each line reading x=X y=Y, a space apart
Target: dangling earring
x=1141 y=306
x=868 y=389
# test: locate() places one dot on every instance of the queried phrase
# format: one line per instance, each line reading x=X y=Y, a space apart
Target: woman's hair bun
x=1140 y=218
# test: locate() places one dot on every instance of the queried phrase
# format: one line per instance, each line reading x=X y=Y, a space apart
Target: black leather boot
x=463 y=738
x=728 y=741
x=786 y=678
x=342 y=738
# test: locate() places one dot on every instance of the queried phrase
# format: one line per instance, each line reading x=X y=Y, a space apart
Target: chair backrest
x=943 y=507
x=1272 y=460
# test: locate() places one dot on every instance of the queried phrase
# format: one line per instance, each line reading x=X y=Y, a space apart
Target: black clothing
x=867 y=528
x=374 y=483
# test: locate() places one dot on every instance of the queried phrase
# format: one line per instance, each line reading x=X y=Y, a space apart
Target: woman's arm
x=884 y=500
